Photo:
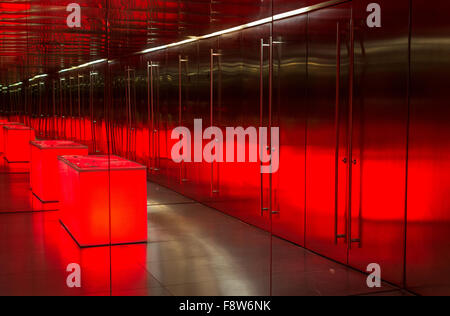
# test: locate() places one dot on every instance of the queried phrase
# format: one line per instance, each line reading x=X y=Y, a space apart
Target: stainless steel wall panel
x=238 y=85
x=197 y=175
x=428 y=230
x=329 y=130
x=171 y=113
x=289 y=113
x=380 y=122
x=327 y=109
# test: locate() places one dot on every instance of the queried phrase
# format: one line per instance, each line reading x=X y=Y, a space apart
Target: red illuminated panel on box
x=17 y=143
x=44 y=166
x=85 y=199
x=2 y=124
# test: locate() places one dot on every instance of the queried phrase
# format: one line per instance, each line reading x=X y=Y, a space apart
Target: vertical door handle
x=151 y=113
x=213 y=54
x=181 y=60
x=156 y=120
x=128 y=102
x=350 y=137
x=337 y=235
x=54 y=110
x=274 y=202
x=79 y=105
x=261 y=105
x=264 y=45
x=91 y=105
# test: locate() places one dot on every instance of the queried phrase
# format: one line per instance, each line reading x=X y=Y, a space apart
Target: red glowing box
x=17 y=140
x=2 y=124
x=44 y=166
x=86 y=201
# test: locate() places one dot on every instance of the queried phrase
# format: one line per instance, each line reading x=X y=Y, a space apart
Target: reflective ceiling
x=35 y=39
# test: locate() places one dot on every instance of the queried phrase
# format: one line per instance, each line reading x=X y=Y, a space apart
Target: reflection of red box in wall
x=44 y=166
x=17 y=143
x=86 y=200
x=2 y=124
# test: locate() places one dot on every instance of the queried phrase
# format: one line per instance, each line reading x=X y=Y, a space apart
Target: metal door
x=198 y=174
x=174 y=93
x=356 y=145
x=311 y=71
x=154 y=114
x=428 y=231
x=328 y=152
x=289 y=114
x=257 y=55
x=240 y=85
x=379 y=140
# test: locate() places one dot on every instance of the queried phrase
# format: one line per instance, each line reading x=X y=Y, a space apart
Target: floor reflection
x=192 y=250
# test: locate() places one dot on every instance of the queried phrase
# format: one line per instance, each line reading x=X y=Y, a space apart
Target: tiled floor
x=192 y=250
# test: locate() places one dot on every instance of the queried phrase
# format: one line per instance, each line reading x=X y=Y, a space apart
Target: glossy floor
x=192 y=250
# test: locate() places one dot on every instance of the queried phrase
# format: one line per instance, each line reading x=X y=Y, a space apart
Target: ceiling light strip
x=83 y=65
x=15 y=84
x=276 y=17
x=37 y=77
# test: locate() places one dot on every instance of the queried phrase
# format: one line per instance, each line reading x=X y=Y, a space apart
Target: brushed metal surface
x=380 y=127
x=289 y=112
x=322 y=177
x=339 y=155
x=428 y=231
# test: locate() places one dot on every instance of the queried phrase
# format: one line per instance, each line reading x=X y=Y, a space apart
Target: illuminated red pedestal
x=17 y=146
x=44 y=174
x=2 y=142
x=86 y=202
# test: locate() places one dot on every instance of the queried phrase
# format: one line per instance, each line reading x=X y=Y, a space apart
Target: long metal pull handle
x=156 y=121
x=54 y=110
x=91 y=106
x=151 y=115
x=350 y=137
x=261 y=87
x=150 y=112
x=129 y=113
x=337 y=236
x=79 y=106
x=61 y=106
x=132 y=130
x=212 y=55
x=181 y=60
x=274 y=190
x=70 y=87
